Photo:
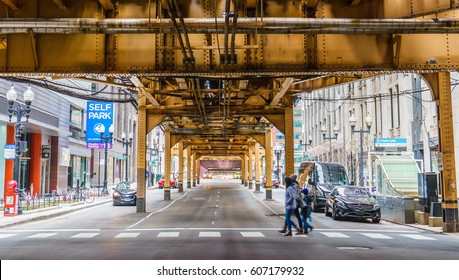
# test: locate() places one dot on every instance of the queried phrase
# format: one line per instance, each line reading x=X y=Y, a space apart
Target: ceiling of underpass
x=219 y=73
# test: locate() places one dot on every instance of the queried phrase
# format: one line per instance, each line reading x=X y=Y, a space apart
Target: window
x=76 y=117
x=297 y=123
x=297 y=113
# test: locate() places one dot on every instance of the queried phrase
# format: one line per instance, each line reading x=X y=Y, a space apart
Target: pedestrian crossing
x=214 y=234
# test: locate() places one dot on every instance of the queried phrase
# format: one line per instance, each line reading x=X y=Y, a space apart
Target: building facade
x=56 y=155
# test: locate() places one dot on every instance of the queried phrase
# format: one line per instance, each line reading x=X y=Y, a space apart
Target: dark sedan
x=125 y=193
x=352 y=201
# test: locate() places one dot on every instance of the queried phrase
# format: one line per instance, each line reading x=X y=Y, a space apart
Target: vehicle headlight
x=375 y=206
x=116 y=194
x=341 y=204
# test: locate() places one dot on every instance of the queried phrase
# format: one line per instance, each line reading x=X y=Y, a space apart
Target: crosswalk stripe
x=209 y=234
x=418 y=237
x=252 y=234
x=335 y=234
x=168 y=234
x=6 y=235
x=377 y=235
x=85 y=235
x=128 y=235
x=41 y=235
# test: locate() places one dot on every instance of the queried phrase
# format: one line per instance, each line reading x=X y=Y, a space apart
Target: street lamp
x=127 y=143
x=106 y=139
x=278 y=153
x=323 y=129
x=151 y=151
x=305 y=145
x=368 y=122
x=20 y=146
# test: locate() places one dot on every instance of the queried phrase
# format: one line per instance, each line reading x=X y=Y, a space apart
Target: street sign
x=9 y=151
x=98 y=115
x=390 y=144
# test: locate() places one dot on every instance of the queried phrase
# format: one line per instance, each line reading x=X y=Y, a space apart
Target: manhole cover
x=353 y=248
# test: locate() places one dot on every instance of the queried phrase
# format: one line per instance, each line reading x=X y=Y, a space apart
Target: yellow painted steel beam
x=289 y=142
x=440 y=84
x=12 y=4
x=60 y=4
x=107 y=4
x=141 y=156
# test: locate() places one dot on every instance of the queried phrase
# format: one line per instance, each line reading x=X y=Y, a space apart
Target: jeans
x=298 y=217
x=288 y=219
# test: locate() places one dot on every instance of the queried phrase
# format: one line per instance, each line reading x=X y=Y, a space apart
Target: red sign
x=11 y=199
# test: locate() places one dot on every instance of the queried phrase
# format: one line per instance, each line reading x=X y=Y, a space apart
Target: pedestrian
x=296 y=211
x=290 y=205
x=306 y=211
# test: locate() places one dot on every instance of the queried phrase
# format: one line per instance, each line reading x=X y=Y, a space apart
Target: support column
x=188 y=169
x=446 y=143
x=195 y=161
x=269 y=164
x=257 y=167
x=440 y=85
x=180 y=168
x=289 y=143
x=141 y=154
x=243 y=173
x=198 y=171
x=167 y=163
x=250 y=172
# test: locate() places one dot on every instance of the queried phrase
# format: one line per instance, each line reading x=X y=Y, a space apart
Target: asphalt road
x=219 y=220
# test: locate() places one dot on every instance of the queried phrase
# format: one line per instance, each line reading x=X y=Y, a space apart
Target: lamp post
x=353 y=122
x=127 y=142
x=106 y=139
x=150 y=151
x=305 y=145
x=20 y=146
x=323 y=129
x=278 y=153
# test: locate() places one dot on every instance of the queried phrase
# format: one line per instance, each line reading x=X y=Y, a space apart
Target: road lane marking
x=127 y=235
x=160 y=210
x=6 y=235
x=335 y=235
x=85 y=235
x=41 y=235
x=377 y=235
x=252 y=234
x=209 y=234
x=418 y=237
x=169 y=234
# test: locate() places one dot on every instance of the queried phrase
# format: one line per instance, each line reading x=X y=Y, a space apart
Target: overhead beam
x=136 y=81
x=60 y=4
x=107 y=4
x=244 y=26
x=283 y=89
x=11 y=4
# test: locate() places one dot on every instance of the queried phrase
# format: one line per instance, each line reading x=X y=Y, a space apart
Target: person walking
x=306 y=211
x=290 y=204
x=296 y=211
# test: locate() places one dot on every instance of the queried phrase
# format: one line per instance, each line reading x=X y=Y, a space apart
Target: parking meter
x=11 y=199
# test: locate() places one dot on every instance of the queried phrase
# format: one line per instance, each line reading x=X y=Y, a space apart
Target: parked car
x=125 y=193
x=274 y=179
x=207 y=176
x=161 y=182
x=321 y=178
x=352 y=201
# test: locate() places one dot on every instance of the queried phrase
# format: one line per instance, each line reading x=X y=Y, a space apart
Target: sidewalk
x=49 y=212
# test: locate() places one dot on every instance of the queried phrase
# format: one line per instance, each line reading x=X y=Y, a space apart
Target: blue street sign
x=98 y=114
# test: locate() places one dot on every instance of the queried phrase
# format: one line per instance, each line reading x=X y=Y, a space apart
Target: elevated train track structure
x=218 y=74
